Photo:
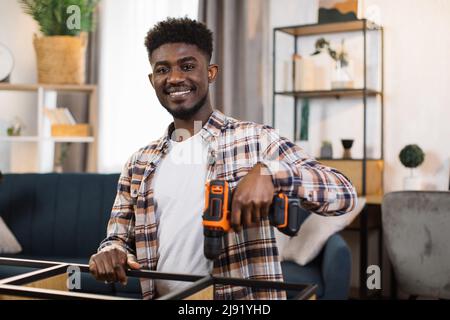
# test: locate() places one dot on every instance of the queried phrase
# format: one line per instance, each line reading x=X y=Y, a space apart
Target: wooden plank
x=314 y=29
x=205 y=294
x=31 y=293
x=330 y=93
x=19 y=138
x=17 y=87
x=56 y=87
x=57 y=282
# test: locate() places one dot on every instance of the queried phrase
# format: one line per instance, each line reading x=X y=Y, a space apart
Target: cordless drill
x=285 y=214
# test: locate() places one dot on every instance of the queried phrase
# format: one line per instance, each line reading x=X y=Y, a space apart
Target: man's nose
x=175 y=76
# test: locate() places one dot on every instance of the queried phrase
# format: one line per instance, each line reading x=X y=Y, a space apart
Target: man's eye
x=162 y=70
x=187 y=67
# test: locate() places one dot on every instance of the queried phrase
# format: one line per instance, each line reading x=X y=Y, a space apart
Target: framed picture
x=337 y=10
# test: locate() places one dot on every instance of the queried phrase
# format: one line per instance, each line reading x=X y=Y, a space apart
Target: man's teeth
x=179 y=93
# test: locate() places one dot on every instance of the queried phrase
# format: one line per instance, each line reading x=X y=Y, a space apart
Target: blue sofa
x=63 y=217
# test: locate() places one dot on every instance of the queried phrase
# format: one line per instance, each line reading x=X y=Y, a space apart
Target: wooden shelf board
x=72 y=139
x=54 y=139
x=19 y=138
x=330 y=93
x=51 y=87
x=314 y=29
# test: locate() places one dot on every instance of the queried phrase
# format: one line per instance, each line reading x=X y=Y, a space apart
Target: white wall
x=417 y=82
x=16 y=32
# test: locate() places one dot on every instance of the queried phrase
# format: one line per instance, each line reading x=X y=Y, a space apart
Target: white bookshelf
x=46 y=97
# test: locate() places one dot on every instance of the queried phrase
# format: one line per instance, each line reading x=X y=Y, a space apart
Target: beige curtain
x=241 y=35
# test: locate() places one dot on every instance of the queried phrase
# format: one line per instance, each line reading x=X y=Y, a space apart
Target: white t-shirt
x=179 y=193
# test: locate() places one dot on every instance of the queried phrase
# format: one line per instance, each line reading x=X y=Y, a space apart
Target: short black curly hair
x=180 y=30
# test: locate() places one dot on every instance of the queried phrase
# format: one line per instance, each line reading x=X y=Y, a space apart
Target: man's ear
x=150 y=77
x=213 y=69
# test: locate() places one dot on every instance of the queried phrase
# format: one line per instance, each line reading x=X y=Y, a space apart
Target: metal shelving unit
x=362 y=27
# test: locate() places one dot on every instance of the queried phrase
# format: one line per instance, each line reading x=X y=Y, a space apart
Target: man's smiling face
x=181 y=77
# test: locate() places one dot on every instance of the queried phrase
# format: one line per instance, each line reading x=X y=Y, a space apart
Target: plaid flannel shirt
x=234 y=148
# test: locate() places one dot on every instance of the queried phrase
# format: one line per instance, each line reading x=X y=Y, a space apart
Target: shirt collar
x=213 y=126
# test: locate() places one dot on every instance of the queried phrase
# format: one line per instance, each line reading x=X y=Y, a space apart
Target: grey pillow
x=8 y=242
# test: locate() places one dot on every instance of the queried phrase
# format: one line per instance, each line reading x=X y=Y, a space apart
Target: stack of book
x=64 y=125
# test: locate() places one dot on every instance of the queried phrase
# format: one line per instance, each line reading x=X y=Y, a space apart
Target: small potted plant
x=61 y=51
x=15 y=129
x=411 y=156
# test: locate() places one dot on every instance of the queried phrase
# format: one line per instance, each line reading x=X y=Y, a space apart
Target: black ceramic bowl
x=347 y=143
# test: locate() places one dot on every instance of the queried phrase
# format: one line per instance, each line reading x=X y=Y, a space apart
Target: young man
x=156 y=221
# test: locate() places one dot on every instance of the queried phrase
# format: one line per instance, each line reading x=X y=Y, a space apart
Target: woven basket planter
x=61 y=59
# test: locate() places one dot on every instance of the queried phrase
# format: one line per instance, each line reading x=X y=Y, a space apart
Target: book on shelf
x=60 y=116
x=63 y=123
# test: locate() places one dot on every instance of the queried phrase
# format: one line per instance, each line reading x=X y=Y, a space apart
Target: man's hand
x=252 y=198
x=110 y=265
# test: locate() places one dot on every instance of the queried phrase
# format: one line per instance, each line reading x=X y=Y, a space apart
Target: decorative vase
x=304 y=73
x=326 y=151
x=412 y=182
x=323 y=65
x=347 y=144
x=341 y=78
x=61 y=59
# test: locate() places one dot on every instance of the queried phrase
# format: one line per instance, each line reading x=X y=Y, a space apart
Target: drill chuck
x=213 y=243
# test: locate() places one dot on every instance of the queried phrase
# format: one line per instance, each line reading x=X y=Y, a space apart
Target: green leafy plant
x=412 y=156
x=63 y=153
x=341 y=56
x=52 y=15
x=15 y=128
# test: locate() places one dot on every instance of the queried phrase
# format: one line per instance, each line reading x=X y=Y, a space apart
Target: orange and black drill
x=285 y=214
